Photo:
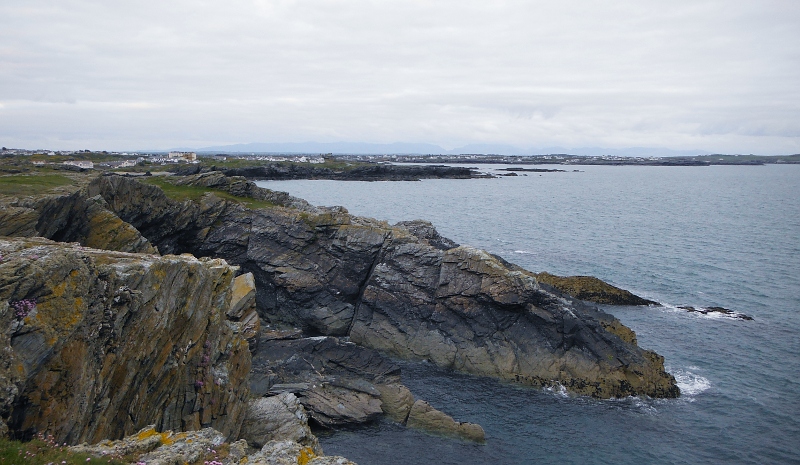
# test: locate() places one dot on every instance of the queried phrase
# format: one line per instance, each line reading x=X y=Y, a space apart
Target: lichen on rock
x=118 y=341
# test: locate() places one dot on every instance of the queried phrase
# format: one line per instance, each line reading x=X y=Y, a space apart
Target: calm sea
x=700 y=236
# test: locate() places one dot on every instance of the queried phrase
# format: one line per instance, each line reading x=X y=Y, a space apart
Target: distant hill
x=398 y=148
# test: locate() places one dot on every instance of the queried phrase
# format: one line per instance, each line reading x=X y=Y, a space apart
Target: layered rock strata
x=400 y=289
x=99 y=344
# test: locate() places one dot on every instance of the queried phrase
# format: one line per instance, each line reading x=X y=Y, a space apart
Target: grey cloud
x=713 y=75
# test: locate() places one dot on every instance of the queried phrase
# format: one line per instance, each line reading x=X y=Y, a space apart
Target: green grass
x=195 y=193
x=43 y=451
x=27 y=184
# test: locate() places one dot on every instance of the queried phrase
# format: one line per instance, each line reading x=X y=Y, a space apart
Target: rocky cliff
x=402 y=289
x=98 y=344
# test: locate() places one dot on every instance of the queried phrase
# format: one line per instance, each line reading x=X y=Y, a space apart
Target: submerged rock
x=716 y=311
x=423 y=416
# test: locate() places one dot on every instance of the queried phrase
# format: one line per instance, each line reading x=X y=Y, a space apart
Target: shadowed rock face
x=72 y=218
x=400 y=290
x=100 y=344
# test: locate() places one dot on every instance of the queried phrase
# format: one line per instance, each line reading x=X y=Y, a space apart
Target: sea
x=725 y=236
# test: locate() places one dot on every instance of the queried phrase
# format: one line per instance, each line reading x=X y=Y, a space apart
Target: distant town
x=88 y=159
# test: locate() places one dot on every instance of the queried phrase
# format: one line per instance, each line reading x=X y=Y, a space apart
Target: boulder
x=423 y=416
x=280 y=417
x=292 y=453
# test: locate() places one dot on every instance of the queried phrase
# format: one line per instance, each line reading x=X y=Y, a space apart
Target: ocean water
x=703 y=236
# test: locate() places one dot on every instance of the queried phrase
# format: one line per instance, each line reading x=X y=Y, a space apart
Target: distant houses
x=85 y=164
x=188 y=156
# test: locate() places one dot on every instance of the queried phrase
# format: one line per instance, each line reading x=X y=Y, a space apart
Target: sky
x=714 y=76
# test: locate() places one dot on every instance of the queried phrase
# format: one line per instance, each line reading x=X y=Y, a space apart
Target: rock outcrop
x=204 y=446
x=356 y=172
x=100 y=344
x=592 y=289
x=399 y=290
x=71 y=218
x=335 y=381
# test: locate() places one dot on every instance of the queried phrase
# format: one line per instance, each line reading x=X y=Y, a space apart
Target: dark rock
x=398 y=290
x=334 y=380
x=717 y=310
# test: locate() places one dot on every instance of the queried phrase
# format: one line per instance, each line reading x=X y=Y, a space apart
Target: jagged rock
x=328 y=272
x=100 y=344
x=292 y=453
x=72 y=218
x=396 y=401
x=465 y=309
x=335 y=381
x=170 y=448
x=423 y=416
x=158 y=448
x=243 y=297
x=280 y=417
x=332 y=406
x=425 y=232
x=243 y=309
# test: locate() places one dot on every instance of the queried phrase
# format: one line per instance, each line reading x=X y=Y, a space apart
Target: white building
x=188 y=156
x=80 y=164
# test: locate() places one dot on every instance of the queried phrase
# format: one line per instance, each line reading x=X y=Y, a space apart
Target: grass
x=30 y=184
x=195 y=193
x=44 y=450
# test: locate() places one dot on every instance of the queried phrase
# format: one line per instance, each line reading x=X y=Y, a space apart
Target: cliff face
x=100 y=344
x=401 y=289
x=71 y=218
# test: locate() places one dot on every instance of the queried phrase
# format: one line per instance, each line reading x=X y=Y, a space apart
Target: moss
x=592 y=289
x=32 y=184
x=45 y=450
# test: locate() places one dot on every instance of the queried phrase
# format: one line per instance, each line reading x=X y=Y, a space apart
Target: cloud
x=713 y=75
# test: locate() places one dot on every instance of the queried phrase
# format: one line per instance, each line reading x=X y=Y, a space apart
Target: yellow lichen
x=306 y=454
x=144 y=434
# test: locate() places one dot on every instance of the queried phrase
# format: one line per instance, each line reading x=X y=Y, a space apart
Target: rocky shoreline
x=291 y=307
x=358 y=172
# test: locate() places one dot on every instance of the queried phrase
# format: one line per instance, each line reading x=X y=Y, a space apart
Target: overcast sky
x=719 y=76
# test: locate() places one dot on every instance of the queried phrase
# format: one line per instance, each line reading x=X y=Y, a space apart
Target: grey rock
x=423 y=416
x=280 y=417
x=396 y=401
x=75 y=362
